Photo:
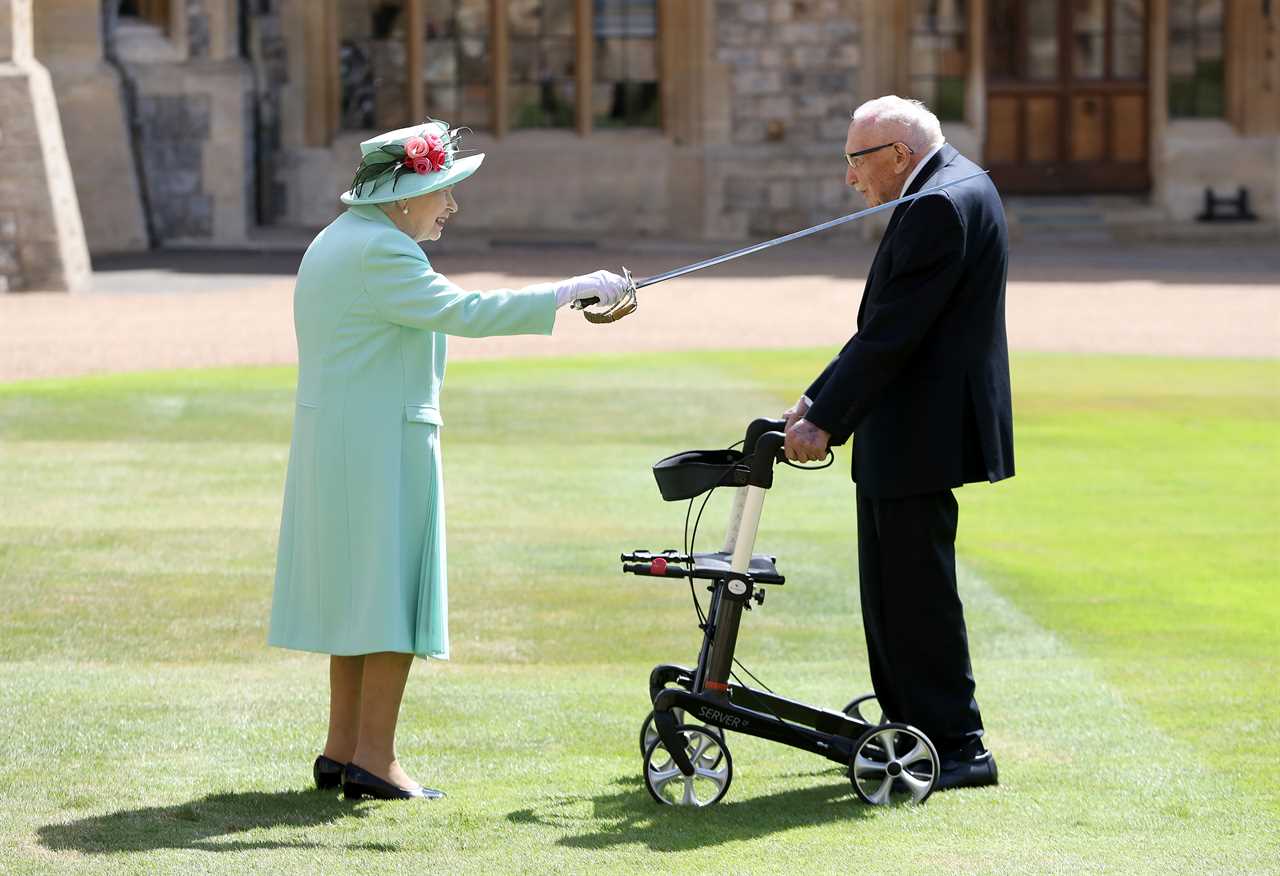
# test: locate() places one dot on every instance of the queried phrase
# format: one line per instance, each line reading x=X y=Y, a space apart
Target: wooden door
x=1067 y=95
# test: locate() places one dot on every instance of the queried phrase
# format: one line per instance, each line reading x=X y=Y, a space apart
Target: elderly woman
x=360 y=572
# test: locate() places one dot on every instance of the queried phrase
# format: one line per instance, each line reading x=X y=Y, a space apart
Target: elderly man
x=924 y=386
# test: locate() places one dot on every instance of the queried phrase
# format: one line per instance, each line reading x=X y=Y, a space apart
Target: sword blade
x=796 y=235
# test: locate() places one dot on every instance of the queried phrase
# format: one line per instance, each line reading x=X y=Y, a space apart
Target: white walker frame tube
x=747 y=505
x=727 y=613
x=735 y=520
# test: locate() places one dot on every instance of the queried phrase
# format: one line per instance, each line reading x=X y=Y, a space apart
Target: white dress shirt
x=923 y=161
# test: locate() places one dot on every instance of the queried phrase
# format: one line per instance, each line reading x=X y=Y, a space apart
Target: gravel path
x=186 y=310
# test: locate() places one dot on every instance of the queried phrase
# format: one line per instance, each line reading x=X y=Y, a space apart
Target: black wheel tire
x=854 y=708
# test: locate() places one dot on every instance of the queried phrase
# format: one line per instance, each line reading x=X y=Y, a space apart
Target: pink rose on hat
x=425 y=154
x=436 y=153
x=415 y=147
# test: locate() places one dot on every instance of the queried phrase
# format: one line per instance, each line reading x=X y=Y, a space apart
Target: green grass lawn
x=1121 y=595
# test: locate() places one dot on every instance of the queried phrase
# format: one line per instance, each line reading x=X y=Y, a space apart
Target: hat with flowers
x=409 y=162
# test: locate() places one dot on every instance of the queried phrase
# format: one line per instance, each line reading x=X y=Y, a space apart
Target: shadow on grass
x=202 y=823
x=628 y=815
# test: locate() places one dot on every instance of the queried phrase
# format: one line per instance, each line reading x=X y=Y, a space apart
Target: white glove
x=605 y=285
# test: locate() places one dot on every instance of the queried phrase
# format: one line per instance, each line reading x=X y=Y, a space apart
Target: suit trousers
x=913 y=619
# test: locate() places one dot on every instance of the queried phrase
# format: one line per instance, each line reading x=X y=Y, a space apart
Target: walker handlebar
x=691 y=473
x=758 y=429
x=763 y=446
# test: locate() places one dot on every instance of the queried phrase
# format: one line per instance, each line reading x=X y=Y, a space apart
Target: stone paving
x=197 y=309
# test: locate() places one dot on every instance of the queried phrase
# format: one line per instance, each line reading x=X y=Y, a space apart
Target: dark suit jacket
x=924 y=383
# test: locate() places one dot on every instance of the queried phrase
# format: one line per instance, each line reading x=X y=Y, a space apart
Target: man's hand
x=795 y=412
x=806 y=442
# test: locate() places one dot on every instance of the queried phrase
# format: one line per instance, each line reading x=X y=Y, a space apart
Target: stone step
x=1083 y=219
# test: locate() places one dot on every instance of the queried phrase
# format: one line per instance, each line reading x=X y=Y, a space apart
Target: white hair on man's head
x=910 y=120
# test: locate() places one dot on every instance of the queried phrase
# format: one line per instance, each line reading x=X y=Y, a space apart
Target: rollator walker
x=689 y=764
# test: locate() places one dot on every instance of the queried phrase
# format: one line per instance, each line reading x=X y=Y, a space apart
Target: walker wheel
x=865 y=709
x=894 y=763
x=712 y=769
x=648 y=732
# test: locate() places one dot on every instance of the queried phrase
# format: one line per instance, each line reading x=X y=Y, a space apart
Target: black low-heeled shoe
x=358 y=782
x=327 y=772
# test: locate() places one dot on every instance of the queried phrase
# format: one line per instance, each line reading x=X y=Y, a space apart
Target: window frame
x=584 y=65
x=1194 y=32
x=324 y=103
x=911 y=11
x=500 y=64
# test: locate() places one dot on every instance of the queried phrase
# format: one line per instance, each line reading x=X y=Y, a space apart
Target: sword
x=628 y=303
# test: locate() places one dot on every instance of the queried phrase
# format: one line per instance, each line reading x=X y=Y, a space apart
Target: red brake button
x=658 y=566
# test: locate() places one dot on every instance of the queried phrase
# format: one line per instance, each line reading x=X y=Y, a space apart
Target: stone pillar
x=883 y=59
x=319 y=67
x=500 y=67
x=696 y=118
x=68 y=41
x=415 y=28
x=696 y=107
x=975 y=109
x=584 y=66
x=1157 y=95
x=42 y=244
x=1252 y=32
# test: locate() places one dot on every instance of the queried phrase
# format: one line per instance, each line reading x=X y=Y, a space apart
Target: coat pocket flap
x=423 y=414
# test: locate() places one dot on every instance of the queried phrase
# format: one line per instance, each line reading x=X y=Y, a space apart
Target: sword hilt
x=624 y=306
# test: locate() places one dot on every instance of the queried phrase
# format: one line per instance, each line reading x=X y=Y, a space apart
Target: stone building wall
x=42 y=244
x=198 y=35
x=1191 y=161
x=793 y=74
x=175 y=129
x=269 y=60
x=192 y=117
x=231 y=129
x=68 y=41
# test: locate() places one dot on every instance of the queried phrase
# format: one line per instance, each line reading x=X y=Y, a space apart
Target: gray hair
x=918 y=127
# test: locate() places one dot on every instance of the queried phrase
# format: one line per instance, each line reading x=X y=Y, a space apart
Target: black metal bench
x=1226 y=208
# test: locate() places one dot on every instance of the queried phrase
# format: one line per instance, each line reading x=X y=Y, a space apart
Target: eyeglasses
x=855 y=158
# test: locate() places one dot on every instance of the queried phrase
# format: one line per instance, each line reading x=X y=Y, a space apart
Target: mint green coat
x=361 y=564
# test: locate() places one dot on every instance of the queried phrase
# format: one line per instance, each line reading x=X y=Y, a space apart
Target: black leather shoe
x=358 y=783
x=976 y=771
x=328 y=773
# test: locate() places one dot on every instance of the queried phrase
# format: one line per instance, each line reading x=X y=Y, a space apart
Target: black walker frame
x=707 y=692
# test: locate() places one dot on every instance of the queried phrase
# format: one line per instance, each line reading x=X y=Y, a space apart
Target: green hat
x=409 y=162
